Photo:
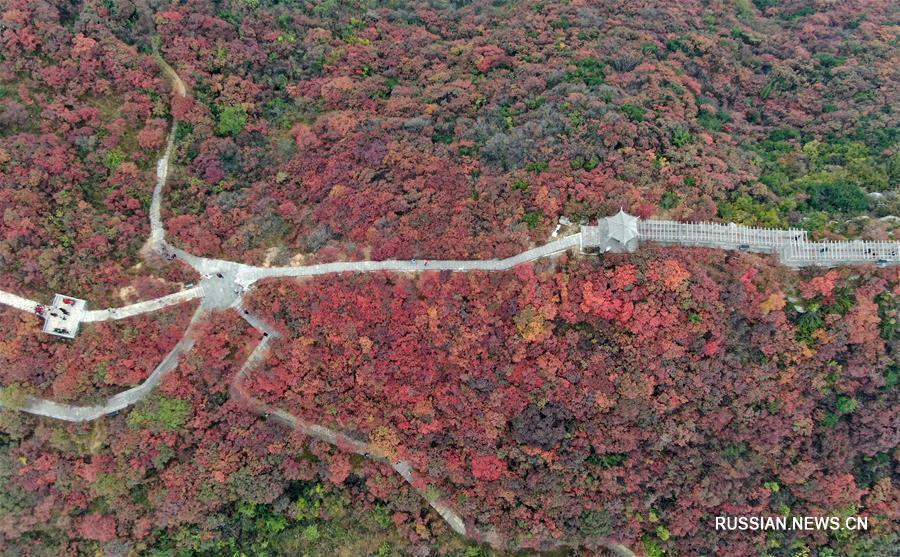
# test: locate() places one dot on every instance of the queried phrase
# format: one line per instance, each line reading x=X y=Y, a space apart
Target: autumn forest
x=582 y=404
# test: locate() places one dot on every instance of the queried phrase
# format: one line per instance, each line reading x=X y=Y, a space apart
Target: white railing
x=834 y=253
x=791 y=245
x=717 y=235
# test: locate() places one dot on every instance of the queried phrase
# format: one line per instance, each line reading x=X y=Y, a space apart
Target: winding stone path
x=349 y=444
x=75 y=413
x=157 y=231
x=338 y=439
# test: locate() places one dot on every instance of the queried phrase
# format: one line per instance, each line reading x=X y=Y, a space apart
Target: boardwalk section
x=63 y=316
x=832 y=254
x=792 y=246
x=722 y=236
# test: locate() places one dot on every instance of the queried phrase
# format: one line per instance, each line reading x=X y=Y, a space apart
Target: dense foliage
x=627 y=398
x=457 y=129
x=103 y=359
x=578 y=401
x=617 y=399
x=82 y=118
x=190 y=472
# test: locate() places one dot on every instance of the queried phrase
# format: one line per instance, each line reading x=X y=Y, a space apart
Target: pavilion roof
x=622 y=227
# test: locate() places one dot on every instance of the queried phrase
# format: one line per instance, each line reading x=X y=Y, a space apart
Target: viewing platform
x=63 y=316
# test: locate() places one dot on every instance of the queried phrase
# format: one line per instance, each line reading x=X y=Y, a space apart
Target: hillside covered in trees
x=563 y=406
x=633 y=399
x=466 y=129
x=461 y=129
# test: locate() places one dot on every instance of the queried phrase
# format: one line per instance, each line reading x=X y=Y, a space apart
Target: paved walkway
x=18 y=302
x=157 y=231
x=75 y=413
x=143 y=307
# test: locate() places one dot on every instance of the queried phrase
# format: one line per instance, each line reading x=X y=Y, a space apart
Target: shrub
x=160 y=412
x=535 y=103
x=232 y=120
x=537 y=166
x=743 y=8
x=562 y=23
x=652 y=548
x=743 y=36
x=713 y=121
x=633 y=112
x=829 y=61
x=844 y=300
x=887 y=312
x=837 y=196
x=624 y=62
x=183 y=130
x=683 y=44
x=776 y=83
x=663 y=533
x=891 y=376
x=445 y=137
x=808 y=323
x=595 y=523
x=543 y=427
x=113 y=159
x=669 y=200
x=13 y=396
x=784 y=134
x=681 y=137
x=763 y=4
x=589 y=71
x=532 y=218
x=488 y=467
x=607 y=460
x=846 y=405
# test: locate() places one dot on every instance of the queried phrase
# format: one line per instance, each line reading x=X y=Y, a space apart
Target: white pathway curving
x=75 y=413
x=319 y=432
x=247 y=275
x=347 y=443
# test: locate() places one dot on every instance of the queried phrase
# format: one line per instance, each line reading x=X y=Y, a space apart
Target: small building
x=63 y=316
x=623 y=228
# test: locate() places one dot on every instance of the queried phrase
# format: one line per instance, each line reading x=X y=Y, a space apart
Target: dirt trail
x=174 y=79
